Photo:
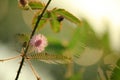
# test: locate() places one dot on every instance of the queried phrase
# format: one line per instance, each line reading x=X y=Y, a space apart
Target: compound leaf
x=68 y=16
x=55 y=24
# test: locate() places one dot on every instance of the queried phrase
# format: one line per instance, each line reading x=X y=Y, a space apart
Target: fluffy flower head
x=38 y=42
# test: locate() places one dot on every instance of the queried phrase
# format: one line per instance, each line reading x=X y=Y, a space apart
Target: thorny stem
x=11 y=58
x=33 y=32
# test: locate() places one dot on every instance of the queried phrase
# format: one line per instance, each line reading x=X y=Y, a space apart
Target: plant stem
x=10 y=58
x=33 y=32
x=33 y=70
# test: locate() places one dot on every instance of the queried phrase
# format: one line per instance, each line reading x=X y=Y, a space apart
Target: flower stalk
x=27 y=47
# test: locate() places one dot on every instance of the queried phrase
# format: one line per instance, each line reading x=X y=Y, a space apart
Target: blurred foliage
x=116 y=72
x=55 y=16
x=71 y=40
x=12 y=21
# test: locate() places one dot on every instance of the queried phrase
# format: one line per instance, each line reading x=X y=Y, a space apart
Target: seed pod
x=23 y=2
x=60 y=18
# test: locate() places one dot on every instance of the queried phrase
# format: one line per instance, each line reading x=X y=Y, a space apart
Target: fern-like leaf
x=51 y=58
x=22 y=38
x=68 y=16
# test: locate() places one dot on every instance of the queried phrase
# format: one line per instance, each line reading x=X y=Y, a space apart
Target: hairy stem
x=33 y=70
x=2 y=60
x=33 y=32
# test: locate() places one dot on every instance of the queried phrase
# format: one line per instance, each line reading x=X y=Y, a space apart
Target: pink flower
x=38 y=42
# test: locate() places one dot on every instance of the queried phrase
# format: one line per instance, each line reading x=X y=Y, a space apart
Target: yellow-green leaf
x=68 y=16
x=35 y=5
x=55 y=24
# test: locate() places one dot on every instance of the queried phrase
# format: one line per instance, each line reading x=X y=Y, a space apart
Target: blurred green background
x=95 y=52
x=11 y=20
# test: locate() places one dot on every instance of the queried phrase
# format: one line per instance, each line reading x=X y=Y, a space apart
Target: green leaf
x=30 y=5
x=76 y=76
x=42 y=22
x=35 y=5
x=68 y=16
x=116 y=72
x=55 y=24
